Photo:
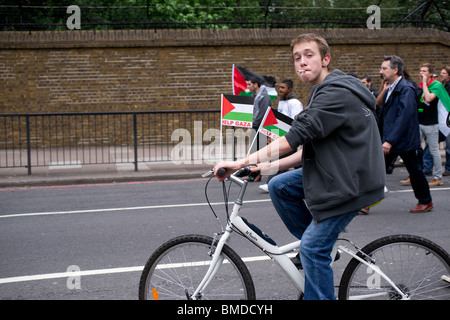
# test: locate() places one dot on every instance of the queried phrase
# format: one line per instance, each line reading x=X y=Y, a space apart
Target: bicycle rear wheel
x=175 y=270
x=417 y=266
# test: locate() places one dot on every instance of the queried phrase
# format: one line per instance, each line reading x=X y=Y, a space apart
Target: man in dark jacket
x=343 y=165
x=400 y=128
x=262 y=101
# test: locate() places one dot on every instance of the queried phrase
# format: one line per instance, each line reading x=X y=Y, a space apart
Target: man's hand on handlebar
x=223 y=169
x=264 y=168
x=230 y=166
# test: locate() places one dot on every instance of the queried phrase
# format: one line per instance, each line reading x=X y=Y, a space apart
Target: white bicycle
x=198 y=267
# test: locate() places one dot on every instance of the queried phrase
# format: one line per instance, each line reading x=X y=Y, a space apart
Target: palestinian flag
x=237 y=111
x=438 y=89
x=275 y=124
x=242 y=75
x=443 y=104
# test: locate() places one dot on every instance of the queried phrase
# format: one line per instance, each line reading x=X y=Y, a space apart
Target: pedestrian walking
x=400 y=129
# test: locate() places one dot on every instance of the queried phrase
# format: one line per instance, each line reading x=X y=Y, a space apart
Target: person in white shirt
x=288 y=104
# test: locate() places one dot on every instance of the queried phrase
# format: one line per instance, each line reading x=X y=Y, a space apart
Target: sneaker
x=446 y=173
x=406 y=182
x=436 y=182
x=264 y=187
x=364 y=211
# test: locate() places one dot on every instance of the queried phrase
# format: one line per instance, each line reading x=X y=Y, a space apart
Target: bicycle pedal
x=338 y=256
x=297 y=262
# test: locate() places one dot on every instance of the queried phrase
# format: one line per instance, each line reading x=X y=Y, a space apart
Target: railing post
x=27 y=120
x=135 y=142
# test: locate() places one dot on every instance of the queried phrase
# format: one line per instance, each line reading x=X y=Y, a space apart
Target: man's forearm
x=427 y=95
x=272 y=151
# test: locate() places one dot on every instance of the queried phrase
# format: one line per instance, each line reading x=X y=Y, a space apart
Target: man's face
x=425 y=72
x=307 y=58
x=284 y=90
x=252 y=86
x=366 y=83
x=387 y=73
x=444 y=76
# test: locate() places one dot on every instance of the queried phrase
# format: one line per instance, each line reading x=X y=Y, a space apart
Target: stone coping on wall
x=209 y=37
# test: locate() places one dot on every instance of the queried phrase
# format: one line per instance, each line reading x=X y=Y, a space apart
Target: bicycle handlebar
x=221 y=172
x=244 y=172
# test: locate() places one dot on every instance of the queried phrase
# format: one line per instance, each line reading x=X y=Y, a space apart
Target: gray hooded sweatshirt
x=343 y=162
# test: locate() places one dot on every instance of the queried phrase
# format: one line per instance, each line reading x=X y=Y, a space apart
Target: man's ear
x=326 y=60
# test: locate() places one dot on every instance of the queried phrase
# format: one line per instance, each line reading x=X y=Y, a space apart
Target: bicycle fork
x=216 y=263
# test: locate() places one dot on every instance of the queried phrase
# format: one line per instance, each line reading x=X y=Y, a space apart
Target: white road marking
x=125 y=269
x=68 y=274
x=48 y=276
x=156 y=207
x=121 y=209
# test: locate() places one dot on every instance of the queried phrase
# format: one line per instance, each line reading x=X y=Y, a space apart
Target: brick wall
x=84 y=71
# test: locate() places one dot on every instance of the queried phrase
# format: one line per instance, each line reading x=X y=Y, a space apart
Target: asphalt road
x=108 y=231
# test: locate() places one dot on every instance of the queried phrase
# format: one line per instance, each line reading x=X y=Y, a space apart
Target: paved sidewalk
x=62 y=166
x=99 y=173
x=104 y=173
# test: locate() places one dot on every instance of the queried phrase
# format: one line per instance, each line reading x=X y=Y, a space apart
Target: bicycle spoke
x=415 y=265
x=178 y=268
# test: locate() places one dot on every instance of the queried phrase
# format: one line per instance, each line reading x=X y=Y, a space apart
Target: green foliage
x=132 y=14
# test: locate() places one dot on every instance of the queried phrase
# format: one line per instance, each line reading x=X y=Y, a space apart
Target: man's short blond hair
x=322 y=44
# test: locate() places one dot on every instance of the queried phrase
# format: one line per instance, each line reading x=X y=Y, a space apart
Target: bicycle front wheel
x=176 y=269
x=417 y=266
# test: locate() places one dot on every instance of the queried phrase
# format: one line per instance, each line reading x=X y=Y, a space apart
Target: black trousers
x=419 y=182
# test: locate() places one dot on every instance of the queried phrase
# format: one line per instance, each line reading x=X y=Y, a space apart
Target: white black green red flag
x=275 y=124
x=242 y=75
x=237 y=111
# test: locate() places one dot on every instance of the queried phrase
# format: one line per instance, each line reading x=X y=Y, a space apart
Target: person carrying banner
x=338 y=130
x=429 y=91
x=445 y=80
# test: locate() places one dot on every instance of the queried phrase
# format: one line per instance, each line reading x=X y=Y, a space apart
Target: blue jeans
x=428 y=158
x=286 y=192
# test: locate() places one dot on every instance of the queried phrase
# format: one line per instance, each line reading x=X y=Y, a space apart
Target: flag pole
x=257 y=132
x=232 y=85
x=232 y=79
x=221 y=137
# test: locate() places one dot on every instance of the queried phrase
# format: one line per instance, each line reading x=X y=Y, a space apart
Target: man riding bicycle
x=342 y=162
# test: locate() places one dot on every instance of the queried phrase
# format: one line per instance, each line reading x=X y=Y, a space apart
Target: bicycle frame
x=279 y=254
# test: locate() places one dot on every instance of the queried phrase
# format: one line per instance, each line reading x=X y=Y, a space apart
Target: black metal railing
x=75 y=139
x=179 y=15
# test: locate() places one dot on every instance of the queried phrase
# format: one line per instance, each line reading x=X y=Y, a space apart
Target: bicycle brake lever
x=207 y=174
x=220 y=173
x=244 y=172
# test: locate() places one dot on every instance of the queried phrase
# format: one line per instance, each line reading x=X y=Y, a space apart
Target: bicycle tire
x=178 y=266
x=416 y=266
